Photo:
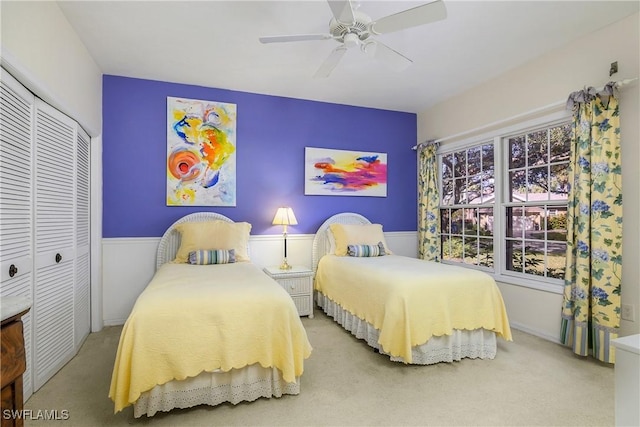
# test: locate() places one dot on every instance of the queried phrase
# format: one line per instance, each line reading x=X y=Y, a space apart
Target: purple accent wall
x=272 y=133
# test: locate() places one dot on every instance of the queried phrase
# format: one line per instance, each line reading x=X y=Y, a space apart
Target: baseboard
x=535 y=332
x=114 y=322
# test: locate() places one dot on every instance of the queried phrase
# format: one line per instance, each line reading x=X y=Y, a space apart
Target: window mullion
x=500 y=162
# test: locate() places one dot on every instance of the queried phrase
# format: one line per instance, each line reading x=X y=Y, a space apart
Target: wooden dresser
x=13 y=365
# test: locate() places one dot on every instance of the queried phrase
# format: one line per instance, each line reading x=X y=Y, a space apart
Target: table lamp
x=285 y=216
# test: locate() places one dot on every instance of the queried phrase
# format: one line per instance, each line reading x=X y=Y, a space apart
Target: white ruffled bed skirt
x=214 y=388
x=476 y=344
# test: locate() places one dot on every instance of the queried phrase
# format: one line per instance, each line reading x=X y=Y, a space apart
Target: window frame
x=499 y=137
x=477 y=207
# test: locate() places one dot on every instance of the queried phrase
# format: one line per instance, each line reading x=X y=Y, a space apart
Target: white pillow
x=357 y=234
x=217 y=234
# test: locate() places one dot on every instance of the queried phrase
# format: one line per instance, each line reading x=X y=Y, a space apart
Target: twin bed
x=208 y=334
x=415 y=311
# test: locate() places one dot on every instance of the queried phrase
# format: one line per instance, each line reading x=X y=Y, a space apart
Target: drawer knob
x=58 y=258
x=13 y=270
x=292 y=287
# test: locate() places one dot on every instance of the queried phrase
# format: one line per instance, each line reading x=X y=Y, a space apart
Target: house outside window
x=504 y=202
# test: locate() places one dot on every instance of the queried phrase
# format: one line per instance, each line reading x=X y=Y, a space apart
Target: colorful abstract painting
x=201 y=153
x=345 y=173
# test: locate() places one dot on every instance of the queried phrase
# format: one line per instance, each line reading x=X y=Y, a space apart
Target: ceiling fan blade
x=342 y=11
x=420 y=15
x=294 y=38
x=383 y=53
x=330 y=63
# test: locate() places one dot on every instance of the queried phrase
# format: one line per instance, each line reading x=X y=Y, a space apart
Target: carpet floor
x=531 y=382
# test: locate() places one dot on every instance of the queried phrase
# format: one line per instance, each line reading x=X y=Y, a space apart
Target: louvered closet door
x=16 y=251
x=82 y=301
x=55 y=137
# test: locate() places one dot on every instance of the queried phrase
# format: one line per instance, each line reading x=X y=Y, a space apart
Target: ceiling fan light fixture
x=351 y=40
x=369 y=48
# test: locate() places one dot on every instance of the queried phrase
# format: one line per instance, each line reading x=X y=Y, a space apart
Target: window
x=504 y=202
x=468 y=192
x=537 y=186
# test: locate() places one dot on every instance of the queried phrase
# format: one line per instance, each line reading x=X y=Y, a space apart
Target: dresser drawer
x=13 y=356
x=297 y=285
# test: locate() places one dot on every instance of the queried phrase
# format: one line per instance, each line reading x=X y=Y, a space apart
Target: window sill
x=529 y=283
x=540 y=285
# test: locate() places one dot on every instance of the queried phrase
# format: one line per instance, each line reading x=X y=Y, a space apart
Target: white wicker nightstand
x=299 y=283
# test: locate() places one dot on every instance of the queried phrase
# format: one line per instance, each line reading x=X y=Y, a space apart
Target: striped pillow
x=212 y=256
x=366 y=250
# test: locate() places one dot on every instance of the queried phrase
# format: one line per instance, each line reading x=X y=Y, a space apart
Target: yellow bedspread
x=410 y=300
x=194 y=318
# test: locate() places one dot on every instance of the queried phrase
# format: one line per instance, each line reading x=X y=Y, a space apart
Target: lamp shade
x=285 y=216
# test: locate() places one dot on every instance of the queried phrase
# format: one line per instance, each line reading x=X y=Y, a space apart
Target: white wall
x=129 y=263
x=40 y=43
x=540 y=83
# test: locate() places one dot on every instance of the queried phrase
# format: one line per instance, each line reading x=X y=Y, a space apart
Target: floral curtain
x=591 y=302
x=428 y=202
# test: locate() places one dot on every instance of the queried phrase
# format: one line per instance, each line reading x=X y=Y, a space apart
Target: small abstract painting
x=344 y=173
x=201 y=153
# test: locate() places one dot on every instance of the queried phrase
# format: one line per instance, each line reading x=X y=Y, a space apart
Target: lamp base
x=285 y=265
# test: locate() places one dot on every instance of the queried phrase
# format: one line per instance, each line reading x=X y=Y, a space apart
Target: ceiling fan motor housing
x=344 y=32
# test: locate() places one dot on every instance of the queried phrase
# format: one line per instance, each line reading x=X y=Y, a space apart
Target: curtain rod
x=552 y=106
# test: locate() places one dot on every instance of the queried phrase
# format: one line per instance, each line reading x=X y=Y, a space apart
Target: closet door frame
x=41 y=89
x=46 y=227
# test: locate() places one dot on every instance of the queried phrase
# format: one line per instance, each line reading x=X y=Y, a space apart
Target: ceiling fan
x=351 y=28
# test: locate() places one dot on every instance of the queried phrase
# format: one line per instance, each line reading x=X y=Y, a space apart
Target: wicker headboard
x=170 y=241
x=321 y=240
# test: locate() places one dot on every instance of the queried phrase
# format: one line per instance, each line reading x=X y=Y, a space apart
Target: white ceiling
x=215 y=44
